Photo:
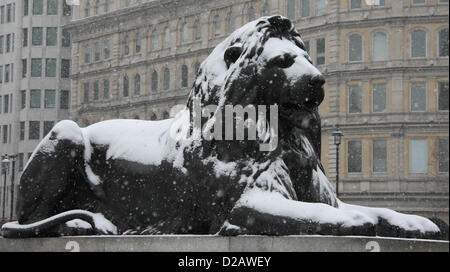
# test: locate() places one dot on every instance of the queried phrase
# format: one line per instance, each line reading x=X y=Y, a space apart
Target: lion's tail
x=43 y=228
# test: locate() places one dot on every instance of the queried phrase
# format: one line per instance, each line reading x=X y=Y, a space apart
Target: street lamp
x=13 y=169
x=337 y=134
x=5 y=165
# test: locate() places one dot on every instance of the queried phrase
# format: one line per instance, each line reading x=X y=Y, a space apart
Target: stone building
x=385 y=61
x=34 y=81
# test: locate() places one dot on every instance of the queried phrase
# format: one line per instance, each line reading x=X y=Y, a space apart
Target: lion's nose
x=317 y=81
x=315 y=92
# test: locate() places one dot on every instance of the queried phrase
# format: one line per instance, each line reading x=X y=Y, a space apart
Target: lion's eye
x=284 y=61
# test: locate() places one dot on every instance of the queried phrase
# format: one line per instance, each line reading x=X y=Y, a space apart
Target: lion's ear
x=232 y=54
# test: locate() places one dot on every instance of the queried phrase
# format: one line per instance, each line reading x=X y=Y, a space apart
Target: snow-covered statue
x=194 y=175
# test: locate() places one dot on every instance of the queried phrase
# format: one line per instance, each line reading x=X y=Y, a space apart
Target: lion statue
x=160 y=177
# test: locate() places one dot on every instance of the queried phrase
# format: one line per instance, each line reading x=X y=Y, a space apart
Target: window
x=23 y=99
x=443 y=42
x=2 y=14
x=24 y=68
x=2 y=38
x=418 y=96
x=153 y=116
x=379 y=97
x=1 y=105
x=106 y=49
x=379 y=156
x=137 y=84
x=320 y=51
x=379 y=46
x=50 y=99
x=97 y=51
x=87 y=9
x=137 y=43
x=166 y=37
x=8 y=43
x=96 y=90
x=230 y=22
x=96 y=7
x=321 y=7
x=6 y=101
x=443 y=95
x=355 y=47
x=166 y=79
x=418 y=156
x=265 y=10
x=7 y=72
x=307 y=46
x=1 y=74
x=35 y=99
x=106 y=89
x=216 y=24
x=24 y=37
x=36 y=67
x=443 y=155
x=86 y=92
x=50 y=67
x=25 y=7
x=166 y=115
x=415 y=2
x=154 y=81
x=87 y=53
x=290 y=9
x=126 y=86
x=107 y=5
x=36 y=36
x=52 y=7
x=126 y=45
x=155 y=39
x=251 y=14
x=184 y=33
x=197 y=30
x=65 y=68
x=184 y=76
x=354 y=156
x=379 y=3
x=418 y=43
x=22 y=131
x=305 y=8
x=67 y=10
x=64 y=99
x=355 y=4
x=5 y=134
x=65 y=41
x=8 y=13
x=34 y=130
x=48 y=125
x=354 y=99
x=21 y=161
x=38 y=7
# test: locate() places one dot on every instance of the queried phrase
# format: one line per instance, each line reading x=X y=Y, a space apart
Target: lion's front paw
x=103 y=225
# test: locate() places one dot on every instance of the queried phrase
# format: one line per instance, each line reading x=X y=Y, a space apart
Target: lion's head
x=265 y=63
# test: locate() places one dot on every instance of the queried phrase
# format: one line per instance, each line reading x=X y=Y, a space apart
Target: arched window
x=216 y=23
x=166 y=115
x=379 y=46
x=265 y=11
x=126 y=86
x=418 y=43
x=87 y=9
x=230 y=22
x=126 y=45
x=355 y=47
x=197 y=30
x=290 y=9
x=155 y=39
x=443 y=42
x=184 y=76
x=197 y=67
x=251 y=14
x=137 y=84
x=166 y=79
x=154 y=81
x=137 y=43
x=166 y=37
x=153 y=116
x=184 y=33
x=96 y=7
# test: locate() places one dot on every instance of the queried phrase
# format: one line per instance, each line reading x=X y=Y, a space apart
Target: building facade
x=385 y=61
x=34 y=82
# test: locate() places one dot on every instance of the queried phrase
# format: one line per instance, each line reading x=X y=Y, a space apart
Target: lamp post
x=13 y=166
x=5 y=165
x=337 y=134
